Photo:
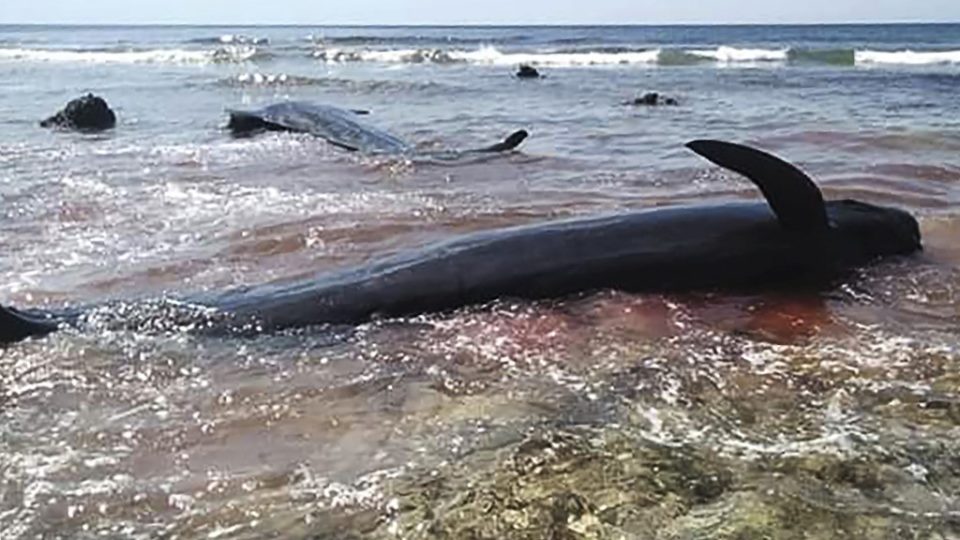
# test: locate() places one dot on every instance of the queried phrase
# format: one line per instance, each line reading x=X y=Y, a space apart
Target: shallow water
x=602 y=416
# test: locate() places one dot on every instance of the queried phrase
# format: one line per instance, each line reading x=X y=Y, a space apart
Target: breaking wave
x=490 y=55
x=231 y=39
x=908 y=57
x=732 y=54
x=238 y=48
x=226 y=54
x=390 y=56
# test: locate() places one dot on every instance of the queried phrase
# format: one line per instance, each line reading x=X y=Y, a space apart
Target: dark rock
x=650 y=98
x=87 y=113
x=528 y=72
x=653 y=99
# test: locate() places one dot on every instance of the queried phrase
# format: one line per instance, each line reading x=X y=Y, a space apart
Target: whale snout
x=870 y=230
x=913 y=227
x=902 y=231
x=16 y=325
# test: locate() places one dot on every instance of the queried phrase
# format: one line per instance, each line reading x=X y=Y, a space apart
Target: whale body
x=791 y=239
x=339 y=127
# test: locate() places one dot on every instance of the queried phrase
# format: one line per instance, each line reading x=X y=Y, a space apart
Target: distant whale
x=339 y=127
x=792 y=239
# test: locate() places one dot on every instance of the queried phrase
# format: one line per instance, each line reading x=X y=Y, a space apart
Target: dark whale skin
x=339 y=127
x=728 y=246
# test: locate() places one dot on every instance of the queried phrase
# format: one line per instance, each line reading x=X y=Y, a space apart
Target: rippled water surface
x=775 y=415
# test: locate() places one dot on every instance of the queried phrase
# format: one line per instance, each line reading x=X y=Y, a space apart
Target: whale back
x=788 y=238
x=676 y=248
x=337 y=126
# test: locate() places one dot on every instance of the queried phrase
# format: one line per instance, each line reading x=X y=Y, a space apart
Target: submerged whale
x=793 y=238
x=339 y=127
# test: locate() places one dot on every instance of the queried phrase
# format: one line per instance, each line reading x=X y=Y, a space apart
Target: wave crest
x=227 y=54
x=908 y=57
x=488 y=56
x=733 y=54
x=395 y=56
x=232 y=39
x=604 y=56
x=238 y=49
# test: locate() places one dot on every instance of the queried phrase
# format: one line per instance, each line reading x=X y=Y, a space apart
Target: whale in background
x=339 y=127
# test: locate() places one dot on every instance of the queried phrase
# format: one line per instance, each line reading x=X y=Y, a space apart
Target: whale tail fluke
x=16 y=325
x=511 y=142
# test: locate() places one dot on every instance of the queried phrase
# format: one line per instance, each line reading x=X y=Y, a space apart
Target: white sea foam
x=407 y=56
x=387 y=56
x=733 y=54
x=495 y=57
x=489 y=56
x=157 y=56
x=907 y=57
x=270 y=79
x=724 y=55
x=241 y=39
x=492 y=56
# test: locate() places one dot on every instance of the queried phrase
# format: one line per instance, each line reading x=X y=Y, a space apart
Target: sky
x=324 y=12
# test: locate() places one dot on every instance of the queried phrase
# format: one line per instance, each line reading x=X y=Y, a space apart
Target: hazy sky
x=318 y=12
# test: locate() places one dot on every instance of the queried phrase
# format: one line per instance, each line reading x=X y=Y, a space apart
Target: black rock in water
x=528 y=72
x=653 y=99
x=650 y=98
x=87 y=113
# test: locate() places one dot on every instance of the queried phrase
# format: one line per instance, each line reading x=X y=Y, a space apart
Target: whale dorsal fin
x=793 y=196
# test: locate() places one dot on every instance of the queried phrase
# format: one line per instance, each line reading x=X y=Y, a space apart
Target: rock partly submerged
x=86 y=113
x=528 y=72
x=653 y=99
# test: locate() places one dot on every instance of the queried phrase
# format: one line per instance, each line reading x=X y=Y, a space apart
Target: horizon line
x=474 y=24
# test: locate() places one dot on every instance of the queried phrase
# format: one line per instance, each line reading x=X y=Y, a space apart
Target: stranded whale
x=792 y=238
x=338 y=127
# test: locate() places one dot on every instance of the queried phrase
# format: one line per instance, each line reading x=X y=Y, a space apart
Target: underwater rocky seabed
x=829 y=415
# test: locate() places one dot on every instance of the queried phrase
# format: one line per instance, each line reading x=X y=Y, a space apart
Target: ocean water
x=604 y=416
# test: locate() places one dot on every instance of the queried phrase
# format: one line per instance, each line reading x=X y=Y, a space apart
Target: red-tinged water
x=607 y=415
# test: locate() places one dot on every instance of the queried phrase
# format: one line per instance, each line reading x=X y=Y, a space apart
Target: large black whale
x=339 y=127
x=794 y=238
